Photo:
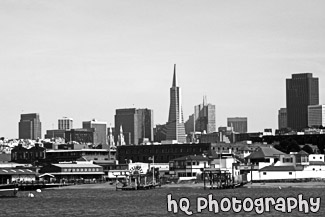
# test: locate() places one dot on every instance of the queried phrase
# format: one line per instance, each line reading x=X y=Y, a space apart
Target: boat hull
x=8 y=190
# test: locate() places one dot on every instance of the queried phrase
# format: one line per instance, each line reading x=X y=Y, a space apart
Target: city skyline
x=88 y=58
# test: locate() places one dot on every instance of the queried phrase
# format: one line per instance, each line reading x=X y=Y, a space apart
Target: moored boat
x=8 y=190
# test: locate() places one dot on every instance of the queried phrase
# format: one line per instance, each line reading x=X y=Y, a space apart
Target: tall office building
x=30 y=126
x=301 y=91
x=65 y=123
x=146 y=125
x=189 y=124
x=205 y=117
x=239 y=124
x=137 y=124
x=316 y=116
x=175 y=125
x=100 y=131
x=282 y=118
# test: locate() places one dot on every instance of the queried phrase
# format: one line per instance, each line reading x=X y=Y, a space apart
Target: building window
x=290 y=173
x=287 y=160
x=264 y=173
x=313 y=168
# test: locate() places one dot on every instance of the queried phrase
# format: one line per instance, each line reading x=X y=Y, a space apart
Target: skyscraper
x=316 y=116
x=145 y=124
x=65 y=123
x=239 y=124
x=100 y=131
x=301 y=91
x=137 y=124
x=30 y=126
x=205 y=117
x=282 y=118
x=175 y=125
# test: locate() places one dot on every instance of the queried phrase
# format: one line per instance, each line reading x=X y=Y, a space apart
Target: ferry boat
x=8 y=190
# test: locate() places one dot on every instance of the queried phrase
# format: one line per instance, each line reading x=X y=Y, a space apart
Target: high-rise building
x=137 y=124
x=316 y=116
x=145 y=124
x=65 y=123
x=239 y=124
x=282 y=118
x=301 y=91
x=205 y=117
x=100 y=131
x=175 y=125
x=30 y=126
x=189 y=124
x=160 y=132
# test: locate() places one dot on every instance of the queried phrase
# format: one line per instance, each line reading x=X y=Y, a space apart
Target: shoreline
x=286 y=185
x=201 y=185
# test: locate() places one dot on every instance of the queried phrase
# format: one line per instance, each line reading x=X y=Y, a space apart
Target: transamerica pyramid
x=175 y=125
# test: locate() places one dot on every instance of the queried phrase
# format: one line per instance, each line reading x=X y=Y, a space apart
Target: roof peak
x=175 y=77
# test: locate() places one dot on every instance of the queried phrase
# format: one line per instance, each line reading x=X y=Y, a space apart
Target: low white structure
x=288 y=167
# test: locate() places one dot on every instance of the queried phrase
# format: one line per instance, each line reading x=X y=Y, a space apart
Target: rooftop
x=282 y=168
x=265 y=152
x=79 y=150
x=15 y=171
x=72 y=165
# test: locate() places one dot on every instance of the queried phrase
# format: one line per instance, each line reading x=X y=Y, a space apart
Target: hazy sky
x=84 y=59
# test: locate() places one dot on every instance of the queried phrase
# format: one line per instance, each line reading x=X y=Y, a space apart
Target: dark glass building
x=301 y=91
x=30 y=126
x=137 y=124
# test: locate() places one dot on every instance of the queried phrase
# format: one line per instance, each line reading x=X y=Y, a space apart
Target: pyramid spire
x=175 y=77
x=175 y=125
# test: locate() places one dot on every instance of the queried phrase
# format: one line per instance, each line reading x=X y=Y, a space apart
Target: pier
x=137 y=182
x=215 y=178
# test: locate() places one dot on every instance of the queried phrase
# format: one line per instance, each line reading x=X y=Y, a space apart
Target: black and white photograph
x=162 y=108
